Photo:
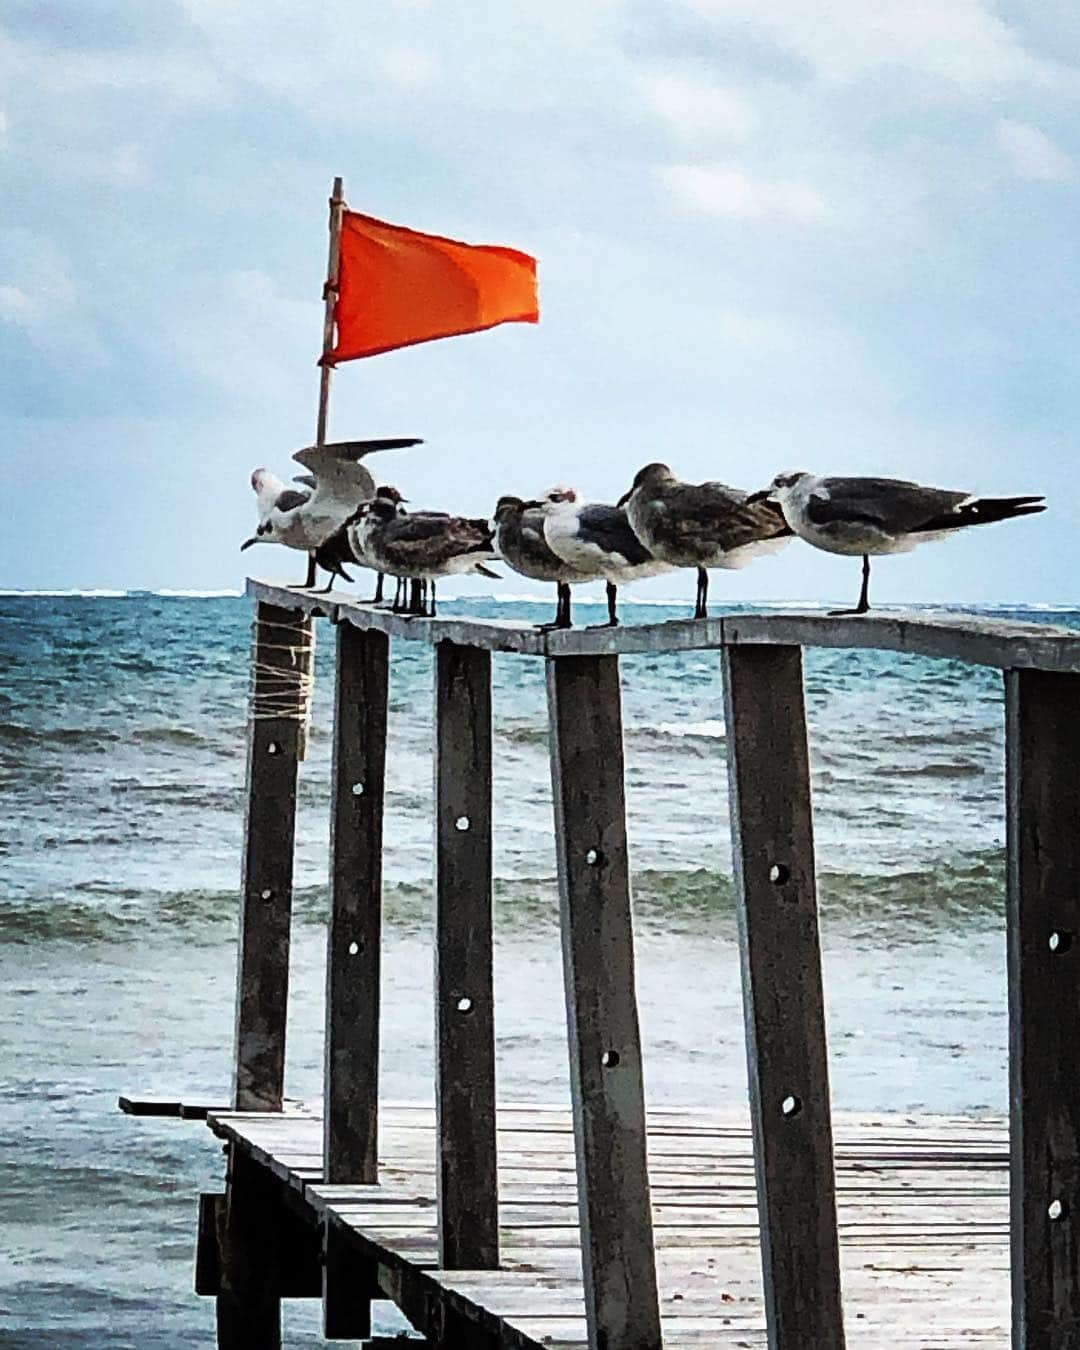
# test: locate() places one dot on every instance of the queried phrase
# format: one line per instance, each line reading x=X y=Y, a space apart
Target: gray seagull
x=701 y=525
x=870 y=516
x=597 y=540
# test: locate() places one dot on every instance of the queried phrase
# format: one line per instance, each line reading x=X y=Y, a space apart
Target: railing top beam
x=974 y=638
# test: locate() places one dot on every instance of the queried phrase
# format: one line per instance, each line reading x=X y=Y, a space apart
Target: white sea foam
x=93 y=594
x=229 y=592
x=710 y=729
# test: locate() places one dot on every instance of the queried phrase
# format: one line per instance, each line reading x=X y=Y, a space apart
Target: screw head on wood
x=358 y=789
x=462 y=823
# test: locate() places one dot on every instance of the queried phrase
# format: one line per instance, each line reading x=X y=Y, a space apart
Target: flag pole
x=337 y=208
x=330 y=294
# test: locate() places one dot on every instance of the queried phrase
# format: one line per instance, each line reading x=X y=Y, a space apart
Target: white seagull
x=597 y=540
x=337 y=483
x=870 y=516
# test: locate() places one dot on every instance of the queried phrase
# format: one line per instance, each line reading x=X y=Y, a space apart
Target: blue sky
x=838 y=236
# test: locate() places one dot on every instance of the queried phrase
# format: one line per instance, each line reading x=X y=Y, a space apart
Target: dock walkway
x=923 y=1209
x=618 y=1225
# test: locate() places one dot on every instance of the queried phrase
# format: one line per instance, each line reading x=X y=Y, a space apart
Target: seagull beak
x=531 y=506
x=248 y=542
x=625 y=497
x=764 y=495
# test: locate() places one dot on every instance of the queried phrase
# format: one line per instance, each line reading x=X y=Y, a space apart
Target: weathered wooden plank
x=1043 y=815
x=351 y=1077
x=262 y=984
x=464 y=993
x=975 y=638
x=769 y=777
x=601 y=1003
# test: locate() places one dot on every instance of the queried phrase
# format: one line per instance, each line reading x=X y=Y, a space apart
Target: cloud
x=1033 y=154
x=16 y=307
x=408 y=67
x=696 y=109
x=962 y=44
x=727 y=191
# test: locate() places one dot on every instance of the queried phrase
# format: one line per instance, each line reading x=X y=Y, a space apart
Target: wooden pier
x=612 y=1225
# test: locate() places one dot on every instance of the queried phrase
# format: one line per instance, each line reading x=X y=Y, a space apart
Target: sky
x=838 y=236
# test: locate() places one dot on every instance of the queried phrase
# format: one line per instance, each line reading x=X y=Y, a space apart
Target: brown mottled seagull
x=420 y=545
x=701 y=525
x=519 y=534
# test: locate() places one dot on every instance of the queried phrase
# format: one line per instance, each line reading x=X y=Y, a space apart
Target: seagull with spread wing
x=336 y=483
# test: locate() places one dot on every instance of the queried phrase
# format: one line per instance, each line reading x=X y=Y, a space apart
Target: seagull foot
x=844 y=613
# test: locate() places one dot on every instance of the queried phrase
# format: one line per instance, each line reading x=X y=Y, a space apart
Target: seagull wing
x=432 y=539
x=893 y=505
x=338 y=469
x=609 y=528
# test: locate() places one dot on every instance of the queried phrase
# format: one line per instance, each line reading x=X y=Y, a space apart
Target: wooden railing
x=768 y=766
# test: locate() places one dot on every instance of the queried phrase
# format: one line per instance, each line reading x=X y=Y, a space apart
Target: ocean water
x=122 y=725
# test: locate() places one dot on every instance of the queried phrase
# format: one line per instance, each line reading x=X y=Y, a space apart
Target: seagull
x=421 y=545
x=870 y=516
x=336 y=483
x=519 y=534
x=598 y=541
x=701 y=525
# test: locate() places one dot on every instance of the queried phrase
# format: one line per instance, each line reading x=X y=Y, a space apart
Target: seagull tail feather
x=984 y=511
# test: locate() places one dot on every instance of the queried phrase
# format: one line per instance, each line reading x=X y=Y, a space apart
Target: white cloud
x=727 y=191
x=1032 y=153
x=16 y=307
x=409 y=67
x=696 y=109
x=961 y=43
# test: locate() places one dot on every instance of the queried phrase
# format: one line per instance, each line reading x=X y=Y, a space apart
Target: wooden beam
x=972 y=638
x=351 y=1078
x=606 y=1078
x=1043 y=827
x=281 y=638
x=467 y=1173
x=348 y=1286
x=769 y=778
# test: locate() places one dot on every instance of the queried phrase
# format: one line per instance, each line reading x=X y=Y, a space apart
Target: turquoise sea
x=122 y=741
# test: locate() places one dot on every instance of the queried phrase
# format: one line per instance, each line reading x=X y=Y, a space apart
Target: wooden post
x=1043 y=827
x=467 y=1174
x=262 y=986
x=249 y=1298
x=769 y=777
x=351 y=1079
x=606 y=1080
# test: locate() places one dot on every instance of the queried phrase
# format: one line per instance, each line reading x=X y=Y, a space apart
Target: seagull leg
x=431 y=610
x=613 y=615
x=701 y=609
x=399 y=595
x=310 y=572
x=377 y=598
x=864 y=594
x=416 y=602
x=562 y=609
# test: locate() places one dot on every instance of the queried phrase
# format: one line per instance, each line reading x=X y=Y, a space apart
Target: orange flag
x=397 y=287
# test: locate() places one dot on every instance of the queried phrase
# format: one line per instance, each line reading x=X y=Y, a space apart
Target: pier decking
x=613 y=1226
x=922 y=1208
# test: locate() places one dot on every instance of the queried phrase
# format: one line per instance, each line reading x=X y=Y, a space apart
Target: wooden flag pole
x=337 y=208
x=330 y=294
